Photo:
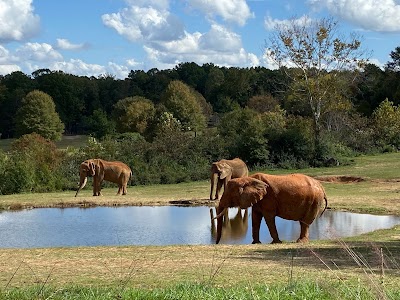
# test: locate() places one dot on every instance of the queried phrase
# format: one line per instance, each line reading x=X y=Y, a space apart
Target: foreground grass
x=356 y=268
x=188 y=291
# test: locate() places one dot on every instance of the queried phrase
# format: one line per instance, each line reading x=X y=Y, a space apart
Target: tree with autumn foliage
x=315 y=57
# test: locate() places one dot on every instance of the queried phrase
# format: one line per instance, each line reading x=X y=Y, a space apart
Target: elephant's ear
x=225 y=170
x=252 y=192
x=92 y=168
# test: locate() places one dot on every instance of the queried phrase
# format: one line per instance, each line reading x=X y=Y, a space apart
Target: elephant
x=296 y=197
x=233 y=229
x=99 y=169
x=224 y=170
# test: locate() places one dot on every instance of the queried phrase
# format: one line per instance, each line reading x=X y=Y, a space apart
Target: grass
x=65 y=142
x=360 y=267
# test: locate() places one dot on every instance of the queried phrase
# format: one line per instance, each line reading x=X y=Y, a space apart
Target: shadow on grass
x=342 y=255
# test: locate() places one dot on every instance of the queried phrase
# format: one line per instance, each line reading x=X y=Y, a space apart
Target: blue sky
x=95 y=37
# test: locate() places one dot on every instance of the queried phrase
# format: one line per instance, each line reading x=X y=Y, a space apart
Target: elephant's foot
x=276 y=241
x=256 y=242
x=302 y=240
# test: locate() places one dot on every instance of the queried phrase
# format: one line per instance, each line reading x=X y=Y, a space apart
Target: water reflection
x=165 y=225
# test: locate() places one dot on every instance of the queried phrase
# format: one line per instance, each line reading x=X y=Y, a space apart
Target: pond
x=164 y=225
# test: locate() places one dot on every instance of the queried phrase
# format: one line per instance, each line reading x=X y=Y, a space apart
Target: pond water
x=164 y=225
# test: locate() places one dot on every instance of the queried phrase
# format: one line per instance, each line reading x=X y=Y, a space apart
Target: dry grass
x=225 y=265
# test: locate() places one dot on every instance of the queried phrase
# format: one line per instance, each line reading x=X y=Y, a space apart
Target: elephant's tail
x=326 y=204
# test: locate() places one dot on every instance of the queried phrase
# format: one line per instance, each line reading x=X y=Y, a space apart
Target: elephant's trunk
x=214 y=177
x=81 y=186
x=220 y=218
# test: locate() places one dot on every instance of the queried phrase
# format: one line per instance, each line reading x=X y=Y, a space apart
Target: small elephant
x=113 y=171
x=224 y=170
x=234 y=228
x=294 y=197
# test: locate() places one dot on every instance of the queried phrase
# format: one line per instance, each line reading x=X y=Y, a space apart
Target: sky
x=98 y=37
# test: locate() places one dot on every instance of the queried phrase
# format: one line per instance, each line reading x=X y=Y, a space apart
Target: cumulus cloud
x=6 y=62
x=382 y=16
x=270 y=23
x=167 y=43
x=234 y=11
x=144 y=23
x=64 y=44
x=38 y=52
x=220 y=39
x=17 y=20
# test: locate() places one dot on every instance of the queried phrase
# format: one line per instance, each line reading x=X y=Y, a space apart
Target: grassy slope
x=345 y=261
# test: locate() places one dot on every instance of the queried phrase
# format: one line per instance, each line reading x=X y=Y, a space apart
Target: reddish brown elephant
x=99 y=169
x=224 y=170
x=295 y=197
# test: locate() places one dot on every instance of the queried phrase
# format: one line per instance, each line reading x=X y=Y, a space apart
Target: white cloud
x=7 y=69
x=158 y=4
x=270 y=23
x=38 y=52
x=77 y=66
x=382 y=16
x=17 y=20
x=220 y=39
x=167 y=43
x=64 y=44
x=6 y=62
x=144 y=23
x=234 y=11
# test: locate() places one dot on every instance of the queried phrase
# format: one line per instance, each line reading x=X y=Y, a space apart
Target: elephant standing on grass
x=292 y=197
x=113 y=171
x=224 y=170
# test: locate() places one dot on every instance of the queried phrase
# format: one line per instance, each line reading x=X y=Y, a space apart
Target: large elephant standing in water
x=224 y=170
x=99 y=169
x=295 y=197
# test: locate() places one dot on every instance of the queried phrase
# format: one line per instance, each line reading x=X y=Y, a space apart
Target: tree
x=37 y=113
x=98 y=124
x=317 y=56
x=386 y=121
x=183 y=103
x=134 y=114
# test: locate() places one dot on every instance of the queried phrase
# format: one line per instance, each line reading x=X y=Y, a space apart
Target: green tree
x=37 y=113
x=317 y=54
x=183 y=103
x=386 y=123
x=98 y=124
x=133 y=114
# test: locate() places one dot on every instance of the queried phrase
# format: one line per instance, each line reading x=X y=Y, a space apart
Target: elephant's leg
x=256 y=218
x=95 y=186
x=219 y=188
x=270 y=220
x=119 y=190
x=304 y=232
x=124 y=190
x=99 y=182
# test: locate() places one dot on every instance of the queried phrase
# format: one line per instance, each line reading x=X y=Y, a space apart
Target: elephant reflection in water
x=233 y=229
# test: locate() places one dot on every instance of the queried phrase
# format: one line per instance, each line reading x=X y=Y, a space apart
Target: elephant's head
x=240 y=192
x=87 y=168
x=221 y=169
